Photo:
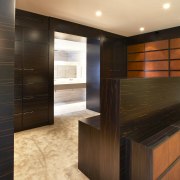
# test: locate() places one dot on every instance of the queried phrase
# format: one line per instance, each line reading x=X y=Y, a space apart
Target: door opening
x=69 y=73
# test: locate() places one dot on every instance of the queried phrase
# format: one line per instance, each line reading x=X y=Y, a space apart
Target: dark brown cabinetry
x=31 y=71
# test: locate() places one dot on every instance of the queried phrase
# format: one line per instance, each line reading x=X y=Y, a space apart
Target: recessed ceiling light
x=166 y=6
x=141 y=29
x=98 y=13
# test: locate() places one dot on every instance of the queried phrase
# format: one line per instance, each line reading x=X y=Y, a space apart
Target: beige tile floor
x=50 y=152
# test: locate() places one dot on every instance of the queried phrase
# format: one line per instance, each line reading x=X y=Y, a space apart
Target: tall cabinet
x=31 y=71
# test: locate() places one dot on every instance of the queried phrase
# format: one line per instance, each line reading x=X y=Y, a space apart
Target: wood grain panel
x=174 y=147
x=136 y=48
x=89 y=147
x=175 y=65
x=135 y=65
x=175 y=73
x=140 y=164
x=175 y=54
x=136 y=74
x=174 y=173
x=32 y=51
x=136 y=57
x=157 y=45
x=7 y=14
x=175 y=43
x=160 y=159
x=157 y=55
x=156 y=74
x=158 y=65
x=110 y=130
x=143 y=96
x=93 y=75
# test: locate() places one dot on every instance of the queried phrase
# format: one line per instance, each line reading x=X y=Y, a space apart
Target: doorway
x=70 y=59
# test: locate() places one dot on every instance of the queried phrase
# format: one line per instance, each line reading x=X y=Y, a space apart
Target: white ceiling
x=123 y=17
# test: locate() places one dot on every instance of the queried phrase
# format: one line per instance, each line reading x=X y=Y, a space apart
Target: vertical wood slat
x=110 y=130
x=7 y=16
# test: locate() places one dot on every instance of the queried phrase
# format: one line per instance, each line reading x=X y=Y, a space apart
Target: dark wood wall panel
x=7 y=14
x=147 y=96
x=89 y=147
x=31 y=73
x=110 y=131
x=93 y=75
x=161 y=35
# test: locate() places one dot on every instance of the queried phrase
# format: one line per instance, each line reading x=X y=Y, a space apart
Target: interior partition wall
x=106 y=57
x=7 y=18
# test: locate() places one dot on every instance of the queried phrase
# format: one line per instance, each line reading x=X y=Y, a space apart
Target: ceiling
x=123 y=17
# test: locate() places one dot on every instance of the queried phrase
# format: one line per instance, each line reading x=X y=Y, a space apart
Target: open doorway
x=70 y=59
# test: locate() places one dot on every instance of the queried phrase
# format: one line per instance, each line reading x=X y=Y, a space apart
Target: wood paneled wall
x=150 y=55
x=7 y=16
x=150 y=59
x=175 y=57
x=31 y=70
x=112 y=61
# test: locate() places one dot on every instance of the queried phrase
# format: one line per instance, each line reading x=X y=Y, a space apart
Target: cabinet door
x=173 y=173
x=160 y=159
x=34 y=76
x=18 y=122
x=35 y=118
x=34 y=89
x=174 y=147
x=35 y=103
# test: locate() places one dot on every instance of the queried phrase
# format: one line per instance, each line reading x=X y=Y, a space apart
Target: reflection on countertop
x=69 y=83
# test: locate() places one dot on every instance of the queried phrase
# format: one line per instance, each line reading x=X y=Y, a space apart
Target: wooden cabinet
x=156 y=157
x=31 y=71
x=173 y=173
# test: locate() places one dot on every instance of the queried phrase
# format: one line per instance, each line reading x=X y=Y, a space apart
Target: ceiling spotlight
x=98 y=13
x=141 y=29
x=166 y=6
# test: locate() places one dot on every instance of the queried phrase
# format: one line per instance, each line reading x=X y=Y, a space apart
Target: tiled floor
x=50 y=152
